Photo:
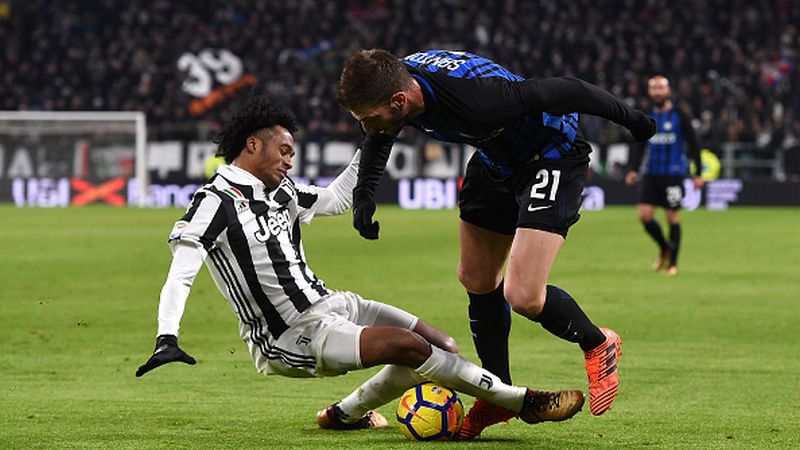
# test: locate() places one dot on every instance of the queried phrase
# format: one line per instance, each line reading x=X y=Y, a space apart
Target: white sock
x=383 y=387
x=451 y=370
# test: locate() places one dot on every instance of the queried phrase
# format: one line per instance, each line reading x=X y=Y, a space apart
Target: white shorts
x=326 y=339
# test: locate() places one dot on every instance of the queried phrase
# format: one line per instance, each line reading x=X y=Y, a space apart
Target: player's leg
x=673 y=192
x=411 y=359
x=674 y=220
x=389 y=334
x=532 y=256
x=389 y=345
x=646 y=213
x=402 y=346
x=549 y=198
x=392 y=380
x=652 y=194
x=488 y=212
x=653 y=228
x=483 y=254
x=356 y=408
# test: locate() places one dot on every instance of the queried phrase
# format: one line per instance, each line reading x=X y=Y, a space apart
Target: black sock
x=654 y=230
x=490 y=322
x=563 y=317
x=675 y=242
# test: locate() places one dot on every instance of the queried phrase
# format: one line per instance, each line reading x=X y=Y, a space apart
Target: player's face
x=658 y=90
x=386 y=118
x=274 y=149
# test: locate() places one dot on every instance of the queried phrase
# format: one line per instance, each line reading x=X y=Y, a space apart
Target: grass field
x=710 y=356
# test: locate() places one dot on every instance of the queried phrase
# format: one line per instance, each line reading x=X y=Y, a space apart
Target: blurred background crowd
x=732 y=63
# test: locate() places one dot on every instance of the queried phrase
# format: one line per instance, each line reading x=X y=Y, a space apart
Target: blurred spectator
x=733 y=61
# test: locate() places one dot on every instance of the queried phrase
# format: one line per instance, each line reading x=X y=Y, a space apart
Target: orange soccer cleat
x=481 y=415
x=601 y=367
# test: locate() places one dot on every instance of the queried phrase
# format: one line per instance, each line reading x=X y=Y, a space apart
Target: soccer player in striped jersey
x=520 y=195
x=666 y=167
x=245 y=225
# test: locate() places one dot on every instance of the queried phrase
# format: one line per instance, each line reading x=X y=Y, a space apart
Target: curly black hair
x=255 y=113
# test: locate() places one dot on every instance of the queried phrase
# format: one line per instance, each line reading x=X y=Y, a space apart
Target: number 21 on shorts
x=539 y=189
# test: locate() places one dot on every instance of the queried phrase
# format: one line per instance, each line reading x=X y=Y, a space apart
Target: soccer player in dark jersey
x=667 y=166
x=520 y=195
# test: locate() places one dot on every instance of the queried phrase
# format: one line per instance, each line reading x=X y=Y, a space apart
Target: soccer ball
x=429 y=412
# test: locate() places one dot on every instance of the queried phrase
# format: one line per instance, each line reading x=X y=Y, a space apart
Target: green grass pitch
x=710 y=356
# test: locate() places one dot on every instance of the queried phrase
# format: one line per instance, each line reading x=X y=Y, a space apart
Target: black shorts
x=544 y=195
x=662 y=190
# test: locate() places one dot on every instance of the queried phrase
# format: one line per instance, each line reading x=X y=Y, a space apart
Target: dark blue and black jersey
x=504 y=147
x=668 y=149
x=512 y=120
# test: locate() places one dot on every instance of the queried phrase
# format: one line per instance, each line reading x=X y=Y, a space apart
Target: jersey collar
x=240 y=176
x=427 y=91
x=431 y=102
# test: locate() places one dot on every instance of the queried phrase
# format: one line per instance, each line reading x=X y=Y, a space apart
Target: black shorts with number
x=662 y=190
x=544 y=195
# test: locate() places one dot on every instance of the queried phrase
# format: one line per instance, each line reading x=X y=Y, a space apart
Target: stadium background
x=732 y=65
x=710 y=355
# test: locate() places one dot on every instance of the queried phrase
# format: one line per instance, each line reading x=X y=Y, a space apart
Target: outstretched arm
x=190 y=240
x=332 y=200
x=563 y=95
x=186 y=262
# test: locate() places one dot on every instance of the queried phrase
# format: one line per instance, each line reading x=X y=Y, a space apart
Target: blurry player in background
x=245 y=225
x=521 y=192
x=666 y=167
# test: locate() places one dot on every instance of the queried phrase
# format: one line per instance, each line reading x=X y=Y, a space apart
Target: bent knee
x=478 y=282
x=528 y=303
x=410 y=349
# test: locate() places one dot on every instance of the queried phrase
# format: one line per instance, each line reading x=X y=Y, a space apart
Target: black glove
x=363 y=210
x=375 y=152
x=166 y=350
x=645 y=127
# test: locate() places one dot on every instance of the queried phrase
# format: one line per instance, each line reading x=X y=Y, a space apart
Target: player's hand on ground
x=631 y=178
x=363 y=211
x=166 y=351
x=645 y=127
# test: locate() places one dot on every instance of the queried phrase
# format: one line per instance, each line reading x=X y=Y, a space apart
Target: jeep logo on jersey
x=273 y=223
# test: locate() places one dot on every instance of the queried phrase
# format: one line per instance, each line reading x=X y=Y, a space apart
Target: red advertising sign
x=108 y=192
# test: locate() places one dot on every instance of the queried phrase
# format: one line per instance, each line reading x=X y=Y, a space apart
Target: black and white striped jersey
x=249 y=238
